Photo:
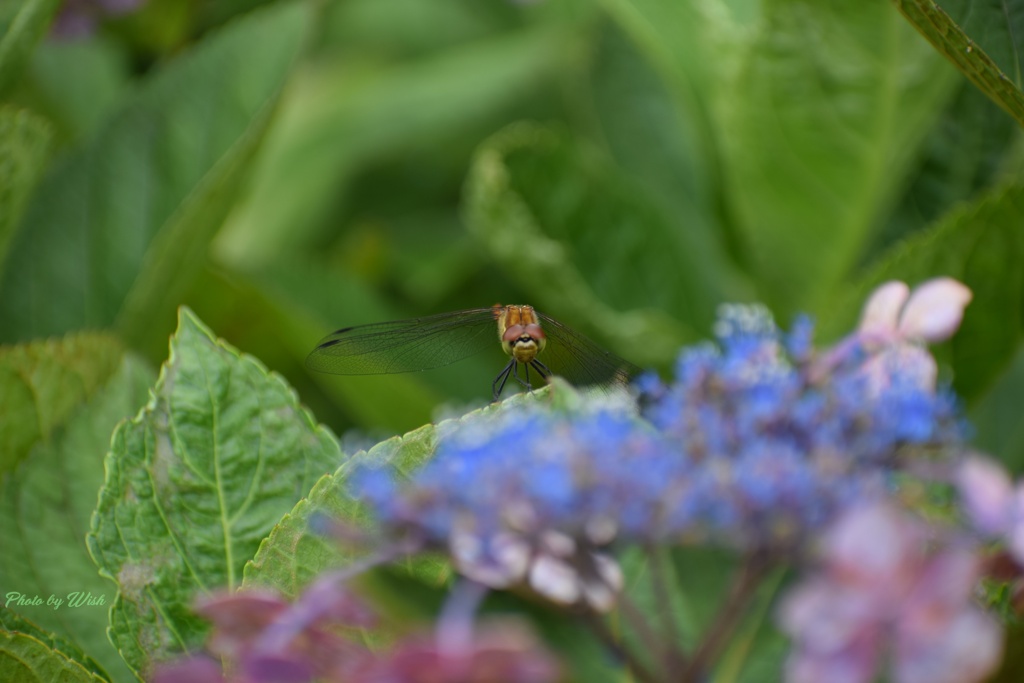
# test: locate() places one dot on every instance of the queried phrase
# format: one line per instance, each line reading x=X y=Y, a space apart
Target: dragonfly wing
x=570 y=355
x=406 y=345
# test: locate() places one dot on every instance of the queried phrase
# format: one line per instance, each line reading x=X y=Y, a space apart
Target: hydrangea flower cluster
x=756 y=443
x=780 y=437
x=530 y=493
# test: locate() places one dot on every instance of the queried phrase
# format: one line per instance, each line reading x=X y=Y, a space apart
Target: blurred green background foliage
x=286 y=168
x=289 y=168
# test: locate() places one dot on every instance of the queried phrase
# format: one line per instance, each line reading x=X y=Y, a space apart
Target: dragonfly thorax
x=520 y=332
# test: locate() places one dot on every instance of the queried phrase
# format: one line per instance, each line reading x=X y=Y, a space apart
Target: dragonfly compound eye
x=514 y=332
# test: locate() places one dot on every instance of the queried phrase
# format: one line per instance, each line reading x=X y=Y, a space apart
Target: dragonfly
x=525 y=335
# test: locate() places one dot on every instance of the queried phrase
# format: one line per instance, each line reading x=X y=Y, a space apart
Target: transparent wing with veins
x=570 y=355
x=406 y=345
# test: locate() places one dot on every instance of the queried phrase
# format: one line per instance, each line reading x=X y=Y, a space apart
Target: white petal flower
x=934 y=311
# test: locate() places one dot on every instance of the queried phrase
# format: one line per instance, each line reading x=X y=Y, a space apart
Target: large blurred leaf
x=339 y=116
x=996 y=418
x=982 y=245
x=43 y=383
x=119 y=229
x=16 y=625
x=582 y=239
x=680 y=38
x=988 y=47
x=77 y=84
x=24 y=147
x=22 y=24
x=822 y=120
x=966 y=153
x=193 y=484
x=409 y=28
x=47 y=503
x=652 y=140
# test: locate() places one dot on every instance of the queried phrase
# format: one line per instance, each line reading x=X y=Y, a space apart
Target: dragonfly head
x=520 y=332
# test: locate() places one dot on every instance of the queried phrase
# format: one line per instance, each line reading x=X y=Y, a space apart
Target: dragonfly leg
x=499 y=381
x=526 y=383
x=541 y=369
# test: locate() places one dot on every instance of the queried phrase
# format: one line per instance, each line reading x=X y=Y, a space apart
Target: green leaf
x=79 y=83
x=44 y=382
x=981 y=245
x=652 y=141
x=992 y=59
x=122 y=226
x=338 y=118
x=193 y=485
x=966 y=154
x=24 y=148
x=11 y=622
x=25 y=659
x=48 y=501
x=22 y=24
x=677 y=38
x=823 y=119
x=995 y=418
x=532 y=192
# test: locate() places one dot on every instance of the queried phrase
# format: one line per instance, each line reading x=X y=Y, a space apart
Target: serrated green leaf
x=193 y=484
x=531 y=192
x=823 y=119
x=25 y=659
x=988 y=52
x=24 y=146
x=22 y=24
x=44 y=382
x=981 y=245
x=120 y=228
x=45 y=509
x=14 y=623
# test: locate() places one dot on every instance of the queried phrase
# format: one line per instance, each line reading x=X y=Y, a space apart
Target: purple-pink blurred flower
x=496 y=652
x=270 y=640
x=887 y=594
x=79 y=18
x=266 y=639
x=993 y=505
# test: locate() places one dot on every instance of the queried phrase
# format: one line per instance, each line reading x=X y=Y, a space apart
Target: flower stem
x=744 y=585
x=636 y=667
x=673 y=657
